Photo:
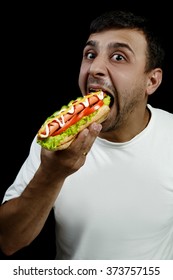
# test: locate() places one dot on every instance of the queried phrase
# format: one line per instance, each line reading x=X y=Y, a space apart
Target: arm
x=22 y=218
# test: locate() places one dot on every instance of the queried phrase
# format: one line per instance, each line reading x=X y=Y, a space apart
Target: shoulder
x=160 y=114
x=162 y=125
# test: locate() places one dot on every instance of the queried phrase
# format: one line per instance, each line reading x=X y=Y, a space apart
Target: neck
x=129 y=129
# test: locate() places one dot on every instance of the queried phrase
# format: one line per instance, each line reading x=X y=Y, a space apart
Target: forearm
x=22 y=218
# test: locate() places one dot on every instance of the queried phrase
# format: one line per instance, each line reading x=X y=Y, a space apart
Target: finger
x=93 y=132
x=95 y=128
x=85 y=139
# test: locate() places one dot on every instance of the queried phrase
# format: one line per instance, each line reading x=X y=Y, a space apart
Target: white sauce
x=61 y=120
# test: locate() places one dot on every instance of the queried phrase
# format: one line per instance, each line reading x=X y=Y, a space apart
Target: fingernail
x=97 y=127
x=85 y=132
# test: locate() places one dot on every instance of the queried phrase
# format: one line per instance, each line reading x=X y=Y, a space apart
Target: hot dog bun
x=60 y=141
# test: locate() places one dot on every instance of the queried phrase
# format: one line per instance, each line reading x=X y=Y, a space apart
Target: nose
x=98 y=67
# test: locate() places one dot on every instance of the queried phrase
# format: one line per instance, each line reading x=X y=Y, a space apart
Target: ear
x=154 y=80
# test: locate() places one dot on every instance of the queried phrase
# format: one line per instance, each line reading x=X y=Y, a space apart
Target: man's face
x=114 y=61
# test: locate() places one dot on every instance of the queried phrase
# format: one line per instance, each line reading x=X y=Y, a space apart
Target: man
x=112 y=189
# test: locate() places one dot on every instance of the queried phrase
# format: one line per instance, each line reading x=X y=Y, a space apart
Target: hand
x=62 y=163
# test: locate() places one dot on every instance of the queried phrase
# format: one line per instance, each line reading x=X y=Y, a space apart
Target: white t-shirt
x=119 y=205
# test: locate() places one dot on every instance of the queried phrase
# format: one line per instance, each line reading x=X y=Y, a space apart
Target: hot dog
x=62 y=127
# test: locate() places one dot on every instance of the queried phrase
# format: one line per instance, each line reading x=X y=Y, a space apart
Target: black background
x=42 y=49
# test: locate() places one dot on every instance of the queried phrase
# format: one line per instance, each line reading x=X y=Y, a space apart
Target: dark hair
x=126 y=19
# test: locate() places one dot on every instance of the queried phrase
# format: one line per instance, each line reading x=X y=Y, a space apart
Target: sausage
x=76 y=107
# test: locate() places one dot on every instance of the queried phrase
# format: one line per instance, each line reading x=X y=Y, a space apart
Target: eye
x=90 y=55
x=118 y=57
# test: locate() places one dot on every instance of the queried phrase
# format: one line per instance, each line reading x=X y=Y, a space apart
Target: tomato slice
x=72 y=121
x=87 y=111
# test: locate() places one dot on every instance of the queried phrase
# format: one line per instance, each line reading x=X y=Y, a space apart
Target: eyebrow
x=111 y=45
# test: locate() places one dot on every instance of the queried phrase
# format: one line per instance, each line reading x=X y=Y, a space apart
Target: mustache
x=99 y=81
x=92 y=80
